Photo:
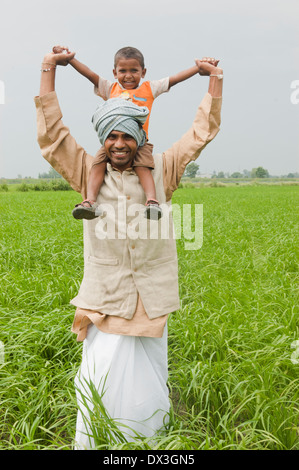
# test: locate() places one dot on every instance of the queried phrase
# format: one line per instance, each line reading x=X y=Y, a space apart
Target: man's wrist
x=49 y=58
x=48 y=64
x=217 y=71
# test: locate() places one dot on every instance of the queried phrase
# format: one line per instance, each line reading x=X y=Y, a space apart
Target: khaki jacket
x=122 y=257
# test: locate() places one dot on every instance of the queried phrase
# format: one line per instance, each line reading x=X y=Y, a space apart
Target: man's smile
x=118 y=153
x=121 y=149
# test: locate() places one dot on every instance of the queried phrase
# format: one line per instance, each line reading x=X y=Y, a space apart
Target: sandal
x=153 y=211
x=84 y=211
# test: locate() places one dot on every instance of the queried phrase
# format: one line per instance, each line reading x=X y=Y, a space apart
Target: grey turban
x=117 y=114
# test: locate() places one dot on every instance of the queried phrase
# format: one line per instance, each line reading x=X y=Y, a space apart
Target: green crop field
x=233 y=345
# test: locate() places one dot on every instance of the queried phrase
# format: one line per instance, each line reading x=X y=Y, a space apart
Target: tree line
x=192 y=170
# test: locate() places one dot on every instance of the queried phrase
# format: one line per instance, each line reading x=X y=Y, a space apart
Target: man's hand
x=47 y=83
x=207 y=66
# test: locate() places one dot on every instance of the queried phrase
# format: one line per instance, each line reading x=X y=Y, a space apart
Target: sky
x=257 y=43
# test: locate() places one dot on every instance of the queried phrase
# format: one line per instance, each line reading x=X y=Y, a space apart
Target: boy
x=129 y=70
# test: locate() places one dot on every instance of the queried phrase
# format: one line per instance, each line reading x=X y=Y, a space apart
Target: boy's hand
x=61 y=55
x=207 y=65
x=60 y=50
x=210 y=60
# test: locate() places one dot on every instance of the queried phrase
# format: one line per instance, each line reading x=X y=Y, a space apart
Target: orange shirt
x=142 y=96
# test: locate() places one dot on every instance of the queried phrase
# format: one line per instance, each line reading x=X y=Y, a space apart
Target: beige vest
x=126 y=254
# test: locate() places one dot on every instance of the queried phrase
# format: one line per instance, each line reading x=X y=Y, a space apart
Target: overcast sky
x=257 y=43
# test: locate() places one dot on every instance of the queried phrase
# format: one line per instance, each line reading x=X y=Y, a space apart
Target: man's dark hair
x=129 y=53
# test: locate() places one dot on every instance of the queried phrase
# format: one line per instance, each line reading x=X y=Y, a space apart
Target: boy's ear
x=143 y=73
x=114 y=73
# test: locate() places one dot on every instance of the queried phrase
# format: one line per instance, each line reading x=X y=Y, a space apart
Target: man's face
x=121 y=149
x=129 y=72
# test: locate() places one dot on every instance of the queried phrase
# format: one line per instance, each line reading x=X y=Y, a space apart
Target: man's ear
x=143 y=73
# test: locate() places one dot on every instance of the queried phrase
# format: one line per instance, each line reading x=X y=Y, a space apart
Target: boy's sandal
x=86 y=210
x=153 y=211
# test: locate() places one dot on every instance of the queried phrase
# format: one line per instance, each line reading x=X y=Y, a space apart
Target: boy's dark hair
x=129 y=53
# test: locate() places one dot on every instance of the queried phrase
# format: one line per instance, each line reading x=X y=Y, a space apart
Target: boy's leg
x=147 y=181
x=143 y=163
x=95 y=181
x=89 y=209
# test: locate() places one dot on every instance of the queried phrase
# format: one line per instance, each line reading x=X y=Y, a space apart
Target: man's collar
x=110 y=168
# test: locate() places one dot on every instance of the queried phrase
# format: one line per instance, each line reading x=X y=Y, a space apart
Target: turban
x=117 y=114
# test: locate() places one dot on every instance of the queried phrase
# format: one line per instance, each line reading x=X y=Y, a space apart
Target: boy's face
x=129 y=72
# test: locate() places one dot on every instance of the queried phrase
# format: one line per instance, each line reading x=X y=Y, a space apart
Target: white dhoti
x=130 y=375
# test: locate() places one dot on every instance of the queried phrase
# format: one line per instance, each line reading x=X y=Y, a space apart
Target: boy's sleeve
x=204 y=129
x=104 y=88
x=159 y=86
x=57 y=145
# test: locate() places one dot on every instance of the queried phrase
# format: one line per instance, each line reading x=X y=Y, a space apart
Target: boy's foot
x=86 y=210
x=153 y=211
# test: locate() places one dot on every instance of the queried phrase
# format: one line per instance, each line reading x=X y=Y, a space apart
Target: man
x=130 y=284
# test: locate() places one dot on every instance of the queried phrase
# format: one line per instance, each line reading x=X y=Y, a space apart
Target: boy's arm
x=181 y=76
x=188 y=73
x=81 y=68
x=85 y=71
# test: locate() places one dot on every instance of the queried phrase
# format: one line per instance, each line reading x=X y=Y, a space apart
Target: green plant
x=232 y=382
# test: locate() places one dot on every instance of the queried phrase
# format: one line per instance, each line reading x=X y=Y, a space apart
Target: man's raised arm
x=205 y=127
x=48 y=70
x=58 y=147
